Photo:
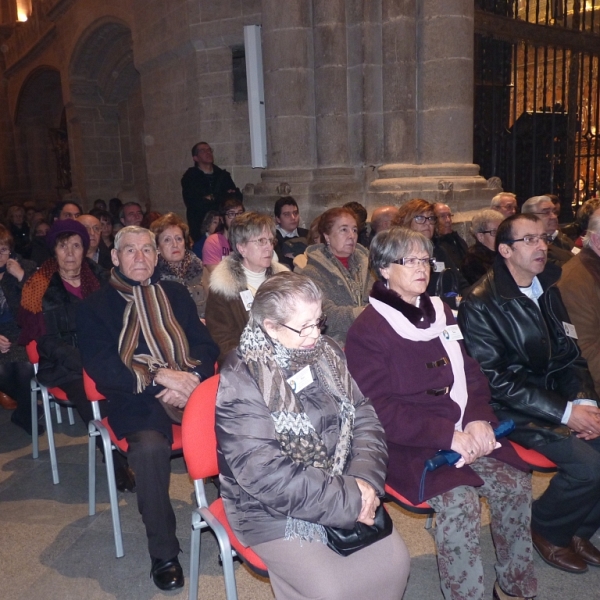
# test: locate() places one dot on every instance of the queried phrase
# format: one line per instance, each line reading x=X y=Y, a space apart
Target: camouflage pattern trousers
x=458 y=516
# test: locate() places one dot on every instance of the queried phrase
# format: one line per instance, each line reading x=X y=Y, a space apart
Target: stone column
x=429 y=148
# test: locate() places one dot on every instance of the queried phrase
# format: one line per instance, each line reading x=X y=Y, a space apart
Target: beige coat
x=580 y=290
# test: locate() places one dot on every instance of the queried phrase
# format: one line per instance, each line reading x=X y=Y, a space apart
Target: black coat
x=477 y=262
x=454 y=245
x=99 y=324
x=295 y=245
x=60 y=361
x=533 y=367
x=202 y=193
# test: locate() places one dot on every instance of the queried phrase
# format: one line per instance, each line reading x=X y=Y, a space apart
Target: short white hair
x=497 y=199
x=530 y=205
x=136 y=230
x=593 y=227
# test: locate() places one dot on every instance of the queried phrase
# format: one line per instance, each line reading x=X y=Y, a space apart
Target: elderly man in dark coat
x=147 y=367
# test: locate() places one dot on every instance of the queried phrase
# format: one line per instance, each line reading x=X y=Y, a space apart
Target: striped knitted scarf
x=266 y=360
x=149 y=310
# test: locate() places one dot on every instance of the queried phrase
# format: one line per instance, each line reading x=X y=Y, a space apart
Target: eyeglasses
x=94 y=228
x=412 y=261
x=444 y=216
x=420 y=219
x=262 y=242
x=4 y=251
x=234 y=213
x=306 y=331
x=490 y=231
x=547 y=212
x=532 y=240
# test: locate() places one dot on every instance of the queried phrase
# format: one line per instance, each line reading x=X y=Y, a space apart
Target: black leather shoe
x=167 y=574
x=586 y=550
x=556 y=556
x=124 y=478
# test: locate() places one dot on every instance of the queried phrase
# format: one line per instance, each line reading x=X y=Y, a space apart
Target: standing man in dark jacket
x=143 y=344
x=516 y=326
x=203 y=187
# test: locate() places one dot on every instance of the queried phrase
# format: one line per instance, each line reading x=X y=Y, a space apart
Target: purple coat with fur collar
x=393 y=373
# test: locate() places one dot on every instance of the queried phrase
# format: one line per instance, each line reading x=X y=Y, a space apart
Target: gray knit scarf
x=266 y=360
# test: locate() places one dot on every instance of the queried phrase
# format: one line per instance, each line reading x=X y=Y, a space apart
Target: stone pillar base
x=458 y=185
x=315 y=190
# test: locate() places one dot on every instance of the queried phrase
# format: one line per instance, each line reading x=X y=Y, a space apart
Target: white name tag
x=439 y=266
x=301 y=379
x=452 y=333
x=575 y=250
x=247 y=299
x=570 y=330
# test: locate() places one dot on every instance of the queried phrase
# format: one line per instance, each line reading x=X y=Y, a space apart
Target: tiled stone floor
x=50 y=548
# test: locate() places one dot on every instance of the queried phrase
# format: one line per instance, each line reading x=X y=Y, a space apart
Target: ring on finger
x=471 y=452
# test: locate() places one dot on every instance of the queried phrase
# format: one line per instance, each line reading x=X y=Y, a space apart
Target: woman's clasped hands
x=475 y=441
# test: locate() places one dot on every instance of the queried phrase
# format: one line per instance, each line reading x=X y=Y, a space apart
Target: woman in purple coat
x=404 y=352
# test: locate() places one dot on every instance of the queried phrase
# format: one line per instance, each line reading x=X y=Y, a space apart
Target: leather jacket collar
x=507 y=287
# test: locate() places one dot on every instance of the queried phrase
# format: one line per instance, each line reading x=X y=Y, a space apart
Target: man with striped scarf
x=142 y=343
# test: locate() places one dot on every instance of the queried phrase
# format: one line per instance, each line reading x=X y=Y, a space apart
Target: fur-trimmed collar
x=228 y=278
x=420 y=316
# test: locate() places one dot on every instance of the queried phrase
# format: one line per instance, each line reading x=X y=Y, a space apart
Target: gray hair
x=246 y=226
x=397 y=242
x=277 y=298
x=136 y=230
x=593 y=227
x=497 y=199
x=531 y=205
x=480 y=220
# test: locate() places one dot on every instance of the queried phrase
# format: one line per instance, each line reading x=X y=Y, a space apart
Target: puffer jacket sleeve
x=247 y=442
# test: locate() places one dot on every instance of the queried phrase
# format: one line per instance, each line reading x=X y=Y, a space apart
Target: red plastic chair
x=537 y=461
x=419 y=509
x=200 y=452
x=100 y=427
x=53 y=395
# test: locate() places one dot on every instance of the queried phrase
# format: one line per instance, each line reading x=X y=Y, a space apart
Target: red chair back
x=198 y=430
x=32 y=352
x=537 y=461
x=89 y=385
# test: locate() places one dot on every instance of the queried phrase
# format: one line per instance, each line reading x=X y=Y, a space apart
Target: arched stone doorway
x=40 y=129
x=108 y=116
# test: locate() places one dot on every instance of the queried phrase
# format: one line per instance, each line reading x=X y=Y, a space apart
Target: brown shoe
x=557 y=556
x=586 y=550
x=7 y=402
x=501 y=595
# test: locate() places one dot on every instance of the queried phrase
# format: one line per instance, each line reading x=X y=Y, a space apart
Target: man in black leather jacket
x=516 y=326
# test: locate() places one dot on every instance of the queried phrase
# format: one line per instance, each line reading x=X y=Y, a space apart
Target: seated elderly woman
x=238 y=276
x=446 y=281
x=47 y=315
x=405 y=354
x=340 y=267
x=281 y=485
x=175 y=261
x=480 y=256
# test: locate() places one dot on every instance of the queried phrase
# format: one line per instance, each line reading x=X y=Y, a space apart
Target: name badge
x=570 y=330
x=439 y=266
x=247 y=299
x=301 y=379
x=452 y=333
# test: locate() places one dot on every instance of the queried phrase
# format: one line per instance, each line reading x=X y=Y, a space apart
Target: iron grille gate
x=537 y=97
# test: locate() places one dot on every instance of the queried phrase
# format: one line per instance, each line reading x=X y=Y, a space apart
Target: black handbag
x=347 y=541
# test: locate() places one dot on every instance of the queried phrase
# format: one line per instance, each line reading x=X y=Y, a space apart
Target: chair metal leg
x=226 y=553
x=92 y=432
x=50 y=434
x=35 y=442
x=112 y=486
x=71 y=417
x=195 y=556
x=58 y=413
